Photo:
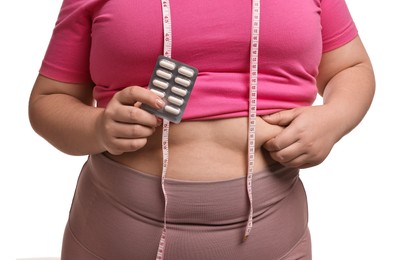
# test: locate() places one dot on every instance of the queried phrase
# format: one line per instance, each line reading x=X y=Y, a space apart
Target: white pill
x=164 y=74
x=186 y=71
x=172 y=110
x=167 y=64
x=182 y=81
x=179 y=91
x=176 y=101
x=160 y=94
x=160 y=84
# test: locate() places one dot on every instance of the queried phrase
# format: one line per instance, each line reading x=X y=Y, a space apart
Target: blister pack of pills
x=172 y=81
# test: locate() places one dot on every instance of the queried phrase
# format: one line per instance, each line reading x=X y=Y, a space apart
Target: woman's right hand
x=123 y=126
x=63 y=113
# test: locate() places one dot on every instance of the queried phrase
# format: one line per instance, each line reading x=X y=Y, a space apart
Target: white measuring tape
x=167 y=51
x=254 y=55
x=254 y=58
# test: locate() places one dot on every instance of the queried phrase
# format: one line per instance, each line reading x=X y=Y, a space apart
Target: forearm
x=348 y=96
x=67 y=123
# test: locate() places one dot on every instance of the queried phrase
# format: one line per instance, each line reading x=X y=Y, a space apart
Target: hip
x=117 y=213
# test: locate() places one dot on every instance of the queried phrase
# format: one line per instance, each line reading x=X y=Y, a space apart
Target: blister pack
x=172 y=81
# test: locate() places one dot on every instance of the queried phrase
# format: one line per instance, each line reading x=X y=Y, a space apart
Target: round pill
x=167 y=64
x=179 y=91
x=186 y=71
x=172 y=110
x=176 y=101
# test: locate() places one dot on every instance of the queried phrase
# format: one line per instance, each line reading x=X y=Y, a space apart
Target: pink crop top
x=115 y=44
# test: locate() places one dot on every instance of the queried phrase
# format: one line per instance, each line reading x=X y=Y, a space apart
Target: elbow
x=33 y=117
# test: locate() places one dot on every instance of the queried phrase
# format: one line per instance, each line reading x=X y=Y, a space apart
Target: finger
x=286 y=138
x=132 y=131
x=135 y=115
x=298 y=162
x=297 y=156
x=135 y=94
x=121 y=145
x=271 y=145
x=282 y=118
x=303 y=161
x=288 y=154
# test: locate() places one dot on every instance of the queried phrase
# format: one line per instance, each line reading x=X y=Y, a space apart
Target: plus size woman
x=86 y=101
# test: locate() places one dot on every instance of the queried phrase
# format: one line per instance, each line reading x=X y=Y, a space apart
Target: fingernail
x=159 y=120
x=160 y=103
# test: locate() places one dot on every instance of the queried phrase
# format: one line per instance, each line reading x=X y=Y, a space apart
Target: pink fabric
x=115 y=44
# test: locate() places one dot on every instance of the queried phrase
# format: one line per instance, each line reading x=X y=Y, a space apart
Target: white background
x=356 y=197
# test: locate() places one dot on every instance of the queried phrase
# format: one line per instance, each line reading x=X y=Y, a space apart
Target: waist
x=274 y=92
x=141 y=193
x=203 y=150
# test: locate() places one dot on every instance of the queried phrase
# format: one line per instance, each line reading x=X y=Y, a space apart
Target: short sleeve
x=338 y=27
x=68 y=52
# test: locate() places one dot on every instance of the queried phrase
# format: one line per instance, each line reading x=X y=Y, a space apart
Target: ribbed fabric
x=117 y=213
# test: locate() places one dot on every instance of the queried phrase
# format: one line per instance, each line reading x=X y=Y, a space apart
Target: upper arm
x=44 y=86
x=332 y=62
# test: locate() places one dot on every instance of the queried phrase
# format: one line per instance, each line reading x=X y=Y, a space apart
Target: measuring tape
x=167 y=51
x=254 y=56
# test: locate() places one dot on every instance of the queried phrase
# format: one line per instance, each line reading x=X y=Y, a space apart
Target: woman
x=105 y=51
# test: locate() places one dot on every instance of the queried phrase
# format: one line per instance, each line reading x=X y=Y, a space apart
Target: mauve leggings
x=117 y=214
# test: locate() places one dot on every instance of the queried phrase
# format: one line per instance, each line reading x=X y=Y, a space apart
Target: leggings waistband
x=226 y=201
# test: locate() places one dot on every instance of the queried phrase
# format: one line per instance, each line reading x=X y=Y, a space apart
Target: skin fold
x=64 y=115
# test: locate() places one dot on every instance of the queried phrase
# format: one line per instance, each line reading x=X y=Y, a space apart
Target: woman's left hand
x=308 y=136
x=346 y=84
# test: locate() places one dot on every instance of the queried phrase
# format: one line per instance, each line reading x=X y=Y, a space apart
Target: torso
x=216 y=147
x=211 y=150
x=127 y=37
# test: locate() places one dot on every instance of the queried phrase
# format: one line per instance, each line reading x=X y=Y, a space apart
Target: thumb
x=282 y=118
x=135 y=95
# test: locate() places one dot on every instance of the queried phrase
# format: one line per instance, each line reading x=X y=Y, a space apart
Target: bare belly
x=203 y=150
